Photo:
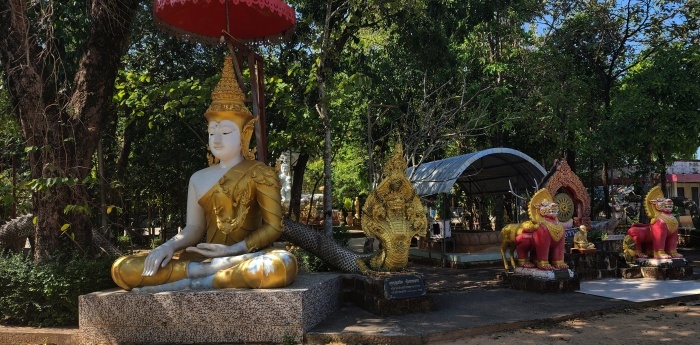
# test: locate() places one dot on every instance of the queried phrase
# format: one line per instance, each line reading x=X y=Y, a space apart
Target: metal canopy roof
x=480 y=173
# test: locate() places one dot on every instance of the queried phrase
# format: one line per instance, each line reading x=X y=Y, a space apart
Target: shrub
x=124 y=243
x=596 y=236
x=155 y=242
x=47 y=295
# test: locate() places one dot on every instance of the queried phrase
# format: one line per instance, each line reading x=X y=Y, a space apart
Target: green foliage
x=659 y=94
x=347 y=204
x=309 y=262
x=124 y=243
x=597 y=236
x=349 y=173
x=47 y=295
x=155 y=242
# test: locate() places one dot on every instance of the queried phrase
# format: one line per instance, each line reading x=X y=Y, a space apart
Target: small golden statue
x=581 y=239
x=394 y=214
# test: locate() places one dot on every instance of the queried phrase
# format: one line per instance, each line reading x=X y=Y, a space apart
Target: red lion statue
x=541 y=238
x=659 y=238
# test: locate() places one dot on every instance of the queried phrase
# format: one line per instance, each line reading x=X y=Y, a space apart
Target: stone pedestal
x=583 y=251
x=535 y=280
x=387 y=294
x=212 y=317
x=594 y=265
x=659 y=269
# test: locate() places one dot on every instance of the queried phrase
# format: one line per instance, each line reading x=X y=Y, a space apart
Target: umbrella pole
x=257 y=88
x=228 y=23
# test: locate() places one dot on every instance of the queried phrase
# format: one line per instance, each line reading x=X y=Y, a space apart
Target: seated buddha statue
x=581 y=239
x=233 y=205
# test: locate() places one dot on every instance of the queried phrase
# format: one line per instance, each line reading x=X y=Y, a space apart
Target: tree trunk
x=647 y=171
x=606 y=189
x=323 y=112
x=61 y=128
x=591 y=182
x=662 y=172
x=297 y=184
x=499 y=211
x=570 y=152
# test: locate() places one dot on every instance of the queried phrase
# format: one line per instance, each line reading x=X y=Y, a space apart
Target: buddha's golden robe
x=244 y=205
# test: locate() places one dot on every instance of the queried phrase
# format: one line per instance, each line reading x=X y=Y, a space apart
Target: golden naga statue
x=394 y=214
x=233 y=204
x=539 y=239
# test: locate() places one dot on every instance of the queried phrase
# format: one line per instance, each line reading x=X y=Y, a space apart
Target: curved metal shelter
x=484 y=172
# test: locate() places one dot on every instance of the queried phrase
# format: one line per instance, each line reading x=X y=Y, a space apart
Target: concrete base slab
x=640 y=290
x=541 y=285
x=212 y=317
x=542 y=274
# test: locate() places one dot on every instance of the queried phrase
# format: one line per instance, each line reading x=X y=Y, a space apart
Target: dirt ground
x=670 y=324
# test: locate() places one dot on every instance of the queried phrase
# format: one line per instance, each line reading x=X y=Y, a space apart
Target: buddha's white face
x=225 y=140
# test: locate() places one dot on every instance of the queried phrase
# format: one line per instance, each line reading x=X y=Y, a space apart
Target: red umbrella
x=249 y=21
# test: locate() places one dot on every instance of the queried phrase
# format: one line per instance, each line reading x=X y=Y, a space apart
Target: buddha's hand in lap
x=158 y=257
x=215 y=250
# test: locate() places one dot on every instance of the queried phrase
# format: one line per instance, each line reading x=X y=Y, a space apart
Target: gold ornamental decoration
x=227 y=99
x=564 y=177
x=541 y=204
x=227 y=95
x=655 y=194
x=654 y=203
x=393 y=214
x=566 y=206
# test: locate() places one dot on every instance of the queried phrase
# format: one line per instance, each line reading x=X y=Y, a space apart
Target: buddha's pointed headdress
x=228 y=104
x=228 y=99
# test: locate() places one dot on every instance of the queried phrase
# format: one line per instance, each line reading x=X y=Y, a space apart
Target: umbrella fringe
x=282 y=10
x=213 y=41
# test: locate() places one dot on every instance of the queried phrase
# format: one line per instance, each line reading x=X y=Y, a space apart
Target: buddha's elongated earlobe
x=246 y=135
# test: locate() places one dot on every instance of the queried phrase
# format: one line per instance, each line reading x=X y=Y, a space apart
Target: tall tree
x=60 y=61
x=605 y=39
x=659 y=100
x=335 y=24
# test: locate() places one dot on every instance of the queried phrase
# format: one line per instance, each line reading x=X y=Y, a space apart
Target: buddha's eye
x=226 y=129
